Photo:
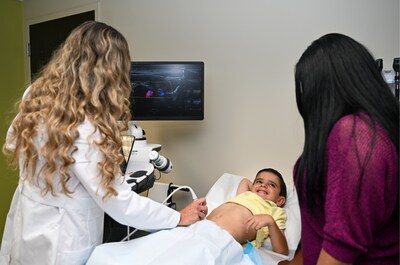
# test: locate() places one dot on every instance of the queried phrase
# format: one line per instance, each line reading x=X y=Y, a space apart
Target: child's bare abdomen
x=231 y=217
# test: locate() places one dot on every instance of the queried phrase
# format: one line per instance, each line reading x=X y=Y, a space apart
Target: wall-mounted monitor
x=167 y=90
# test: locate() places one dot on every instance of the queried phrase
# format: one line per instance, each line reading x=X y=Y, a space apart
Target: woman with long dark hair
x=347 y=176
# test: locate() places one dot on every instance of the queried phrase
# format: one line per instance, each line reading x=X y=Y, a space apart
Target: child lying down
x=253 y=215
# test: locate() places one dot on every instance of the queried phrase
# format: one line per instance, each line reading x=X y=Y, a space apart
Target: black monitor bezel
x=149 y=117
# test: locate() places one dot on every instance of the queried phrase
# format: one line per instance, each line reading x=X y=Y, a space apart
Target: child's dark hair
x=282 y=184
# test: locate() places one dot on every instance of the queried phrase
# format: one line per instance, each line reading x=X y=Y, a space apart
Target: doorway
x=45 y=37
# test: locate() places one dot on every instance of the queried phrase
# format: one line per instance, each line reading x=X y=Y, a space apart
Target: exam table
x=217 y=250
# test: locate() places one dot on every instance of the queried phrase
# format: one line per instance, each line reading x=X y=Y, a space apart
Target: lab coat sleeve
x=127 y=207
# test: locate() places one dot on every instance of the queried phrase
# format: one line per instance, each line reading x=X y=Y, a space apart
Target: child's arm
x=278 y=239
x=244 y=185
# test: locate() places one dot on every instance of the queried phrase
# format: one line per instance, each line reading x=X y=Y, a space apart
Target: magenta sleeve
x=359 y=197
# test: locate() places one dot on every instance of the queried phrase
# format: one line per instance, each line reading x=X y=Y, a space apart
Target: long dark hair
x=334 y=77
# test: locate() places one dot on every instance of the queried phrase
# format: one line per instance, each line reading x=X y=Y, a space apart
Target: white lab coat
x=64 y=230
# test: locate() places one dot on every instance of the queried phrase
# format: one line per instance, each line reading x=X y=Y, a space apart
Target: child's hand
x=278 y=240
x=258 y=221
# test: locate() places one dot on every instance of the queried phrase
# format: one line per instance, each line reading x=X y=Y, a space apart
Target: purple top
x=357 y=226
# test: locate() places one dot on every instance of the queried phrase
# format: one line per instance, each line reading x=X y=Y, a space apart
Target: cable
x=180 y=188
x=129 y=235
x=166 y=199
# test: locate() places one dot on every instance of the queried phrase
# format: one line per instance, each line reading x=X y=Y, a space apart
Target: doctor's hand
x=194 y=212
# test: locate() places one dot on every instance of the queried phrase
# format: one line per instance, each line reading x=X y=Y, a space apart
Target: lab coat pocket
x=95 y=225
x=75 y=257
x=75 y=244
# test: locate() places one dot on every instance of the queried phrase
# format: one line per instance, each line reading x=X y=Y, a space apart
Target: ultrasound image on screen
x=167 y=90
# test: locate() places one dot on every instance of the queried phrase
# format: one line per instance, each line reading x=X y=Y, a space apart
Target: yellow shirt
x=258 y=205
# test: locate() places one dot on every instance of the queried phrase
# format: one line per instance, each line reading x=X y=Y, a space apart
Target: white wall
x=249 y=49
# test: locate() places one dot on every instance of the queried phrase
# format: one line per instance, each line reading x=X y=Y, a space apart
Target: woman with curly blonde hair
x=66 y=139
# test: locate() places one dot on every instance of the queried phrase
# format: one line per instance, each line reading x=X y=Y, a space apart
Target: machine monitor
x=167 y=90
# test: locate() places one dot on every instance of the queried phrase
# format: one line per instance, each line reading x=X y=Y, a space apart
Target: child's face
x=266 y=185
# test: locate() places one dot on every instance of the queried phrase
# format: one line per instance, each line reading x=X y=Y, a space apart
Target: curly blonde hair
x=87 y=77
